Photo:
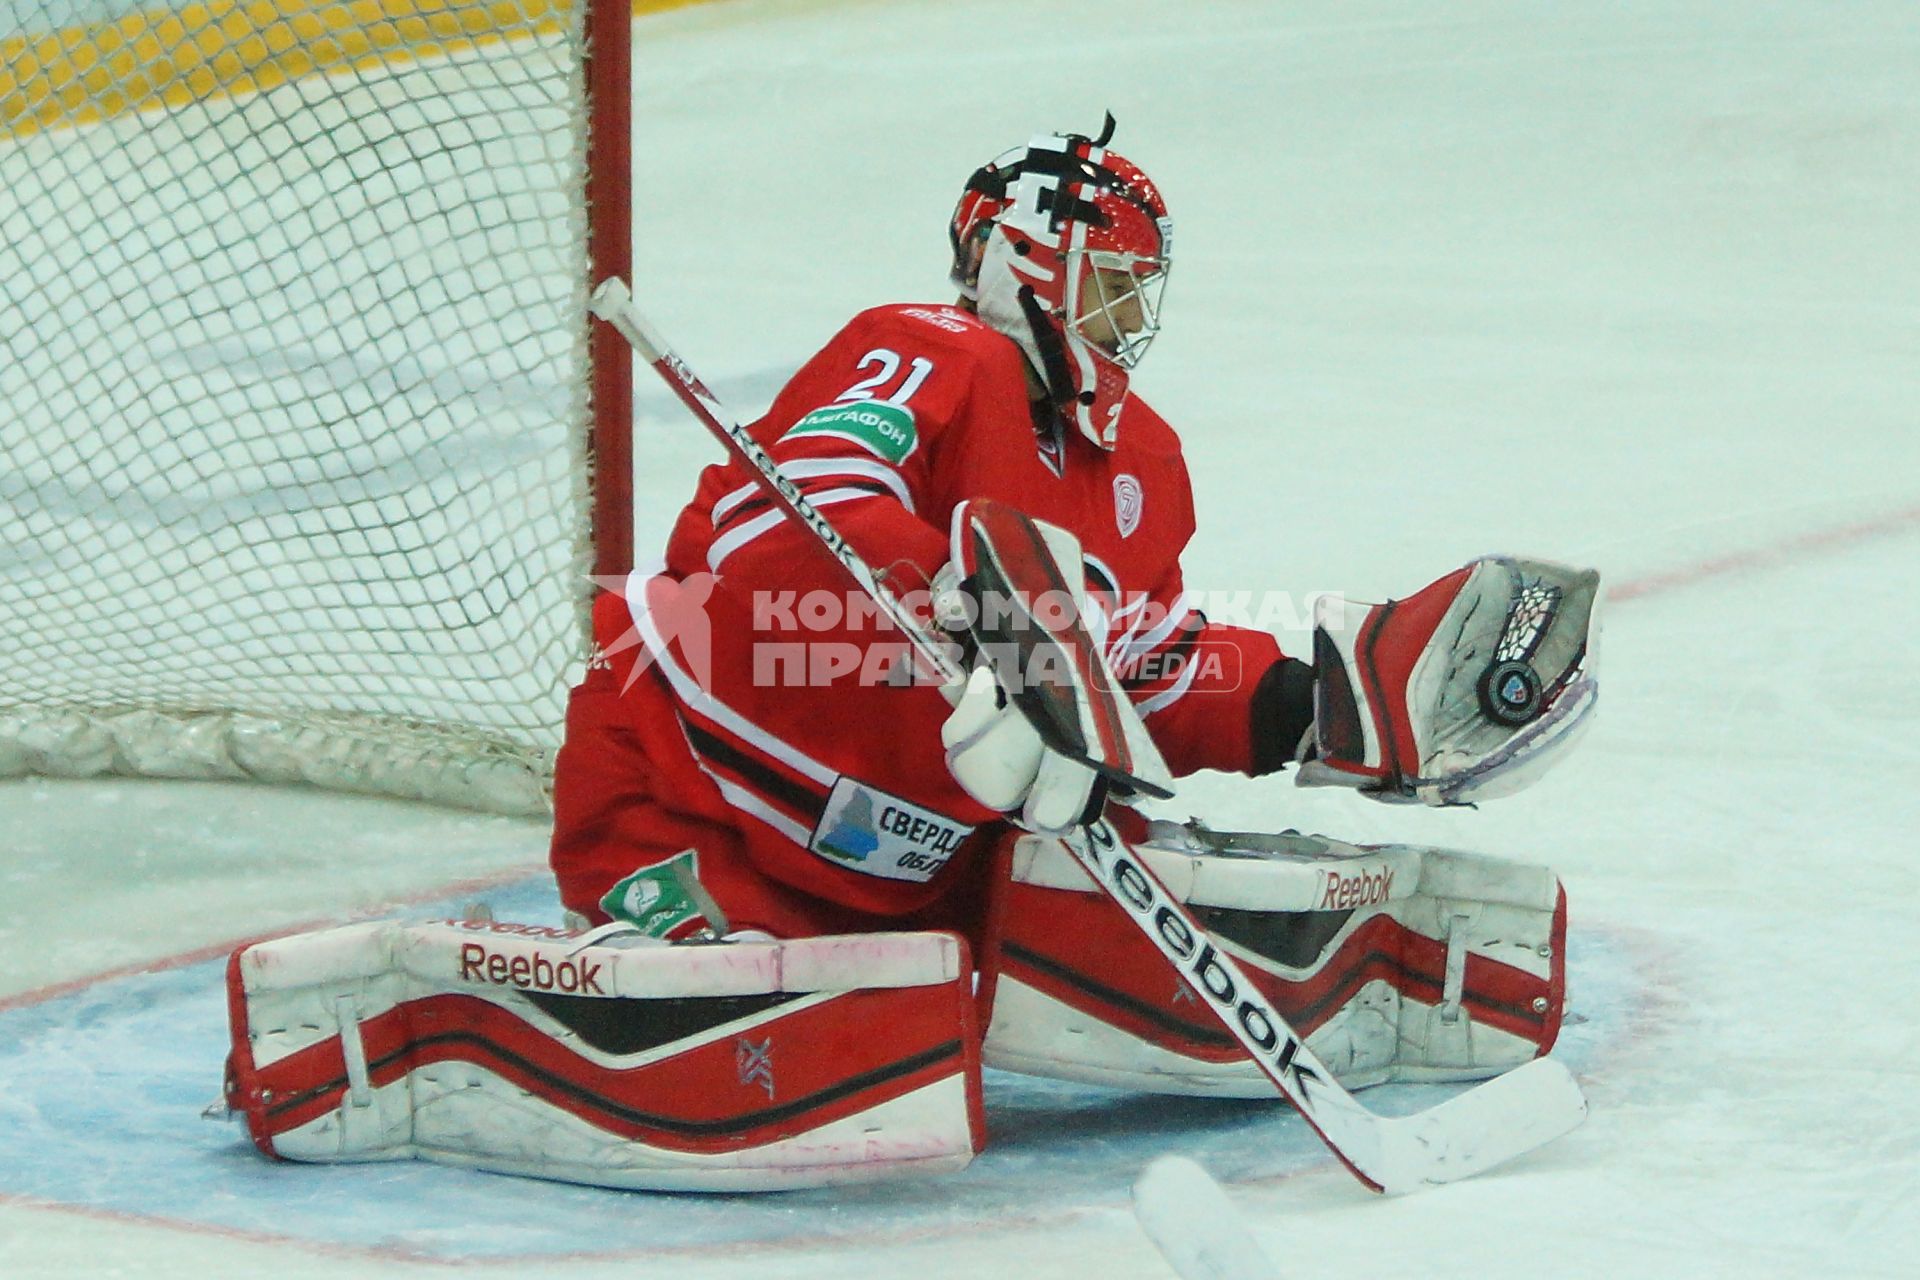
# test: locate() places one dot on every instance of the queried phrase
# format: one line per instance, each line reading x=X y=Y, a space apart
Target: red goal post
x=308 y=445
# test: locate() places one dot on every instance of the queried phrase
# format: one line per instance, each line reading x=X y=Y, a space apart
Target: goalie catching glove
x=1466 y=691
x=1040 y=729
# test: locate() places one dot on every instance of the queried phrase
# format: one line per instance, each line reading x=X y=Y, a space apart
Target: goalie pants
x=628 y=794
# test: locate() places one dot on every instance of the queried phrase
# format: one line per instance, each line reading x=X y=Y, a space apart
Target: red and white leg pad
x=606 y=1058
x=1396 y=962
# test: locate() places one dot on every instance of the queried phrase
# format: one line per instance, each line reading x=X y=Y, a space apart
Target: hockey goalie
x=814 y=890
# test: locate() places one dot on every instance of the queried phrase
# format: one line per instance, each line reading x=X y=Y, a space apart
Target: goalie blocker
x=604 y=1057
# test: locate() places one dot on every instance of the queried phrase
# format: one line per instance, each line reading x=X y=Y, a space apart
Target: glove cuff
x=1282 y=716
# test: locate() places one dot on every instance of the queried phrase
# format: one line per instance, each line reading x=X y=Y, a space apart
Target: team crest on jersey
x=1127 y=501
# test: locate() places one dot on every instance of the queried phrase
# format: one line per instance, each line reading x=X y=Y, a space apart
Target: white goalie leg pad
x=604 y=1057
x=1397 y=962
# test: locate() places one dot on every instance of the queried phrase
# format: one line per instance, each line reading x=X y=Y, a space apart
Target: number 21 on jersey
x=888 y=362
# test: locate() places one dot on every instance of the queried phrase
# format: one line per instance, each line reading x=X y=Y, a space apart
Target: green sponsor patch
x=657 y=899
x=885 y=430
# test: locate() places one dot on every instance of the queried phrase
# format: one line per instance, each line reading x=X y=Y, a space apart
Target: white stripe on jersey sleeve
x=734 y=539
x=1098 y=624
x=1172 y=693
x=1132 y=646
x=799 y=469
x=741 y=534
x=747 y=802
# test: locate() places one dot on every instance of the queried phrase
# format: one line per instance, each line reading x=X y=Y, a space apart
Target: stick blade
x=1486 y=1126
x=1193 y=1224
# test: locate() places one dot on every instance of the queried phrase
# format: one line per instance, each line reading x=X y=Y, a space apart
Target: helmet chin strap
x=1047 y=341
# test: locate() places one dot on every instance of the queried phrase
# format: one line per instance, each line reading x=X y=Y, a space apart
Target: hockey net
x=299 y=403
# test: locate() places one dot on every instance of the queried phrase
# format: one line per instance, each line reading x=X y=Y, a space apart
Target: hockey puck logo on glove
x=1510 y=693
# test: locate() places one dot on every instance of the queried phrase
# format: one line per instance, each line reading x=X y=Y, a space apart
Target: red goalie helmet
x=1063 y=246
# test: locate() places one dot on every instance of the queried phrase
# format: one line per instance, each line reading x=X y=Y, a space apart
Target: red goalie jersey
x=760 y=730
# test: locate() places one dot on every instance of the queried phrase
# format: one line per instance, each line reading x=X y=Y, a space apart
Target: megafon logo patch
x=668 y=617
x=883 y=429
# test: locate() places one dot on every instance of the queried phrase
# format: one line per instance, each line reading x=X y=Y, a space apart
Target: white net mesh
x=292 y=391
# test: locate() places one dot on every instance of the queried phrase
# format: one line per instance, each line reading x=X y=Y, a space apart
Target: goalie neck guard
x=1063 y=246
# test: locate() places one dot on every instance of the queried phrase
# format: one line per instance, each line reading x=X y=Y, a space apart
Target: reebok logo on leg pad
x=529 y=973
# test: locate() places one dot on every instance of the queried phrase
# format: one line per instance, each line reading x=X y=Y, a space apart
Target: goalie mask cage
x=309 y=447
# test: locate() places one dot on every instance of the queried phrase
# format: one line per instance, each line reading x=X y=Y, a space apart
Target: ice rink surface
x=1635 y=286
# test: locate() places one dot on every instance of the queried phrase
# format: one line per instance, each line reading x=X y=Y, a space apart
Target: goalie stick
x=1485 y=1126
x=1196 y=1228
